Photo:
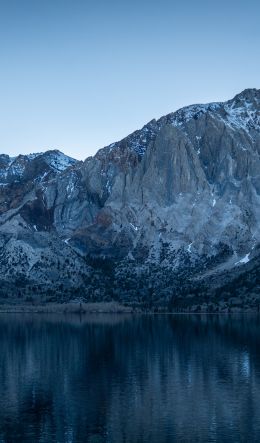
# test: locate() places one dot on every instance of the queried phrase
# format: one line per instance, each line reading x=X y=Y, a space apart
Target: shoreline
x=81 y=308
x=66 y=308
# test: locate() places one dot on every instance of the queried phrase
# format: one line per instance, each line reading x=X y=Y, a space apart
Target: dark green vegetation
x=190 y=288
x=166 y=219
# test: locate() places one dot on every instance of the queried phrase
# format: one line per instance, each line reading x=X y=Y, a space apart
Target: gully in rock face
x=175 y=205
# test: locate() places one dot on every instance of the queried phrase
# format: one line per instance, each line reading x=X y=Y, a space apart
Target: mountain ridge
x=177 y=200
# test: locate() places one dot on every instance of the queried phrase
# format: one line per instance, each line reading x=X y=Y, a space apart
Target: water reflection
x=118 y=378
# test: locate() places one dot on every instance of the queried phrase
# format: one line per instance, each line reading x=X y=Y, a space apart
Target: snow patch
x=189 y=247
x=59 y=161
x=134 y=227
x=243 y=260
x=244 y=116
x=70 y=187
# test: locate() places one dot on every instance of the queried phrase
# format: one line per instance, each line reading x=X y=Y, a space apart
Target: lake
x=129 y=378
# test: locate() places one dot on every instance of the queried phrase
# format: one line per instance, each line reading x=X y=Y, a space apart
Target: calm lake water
x=116 y=378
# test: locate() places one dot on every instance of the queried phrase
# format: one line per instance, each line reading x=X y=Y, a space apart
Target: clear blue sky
x=77 y=75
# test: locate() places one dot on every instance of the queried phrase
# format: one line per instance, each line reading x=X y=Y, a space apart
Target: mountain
x=167 y=217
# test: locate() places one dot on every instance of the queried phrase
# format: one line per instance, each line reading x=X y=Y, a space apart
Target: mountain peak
x=249 y=95
x=57 y=160
x=180 y=198
x=242 y=110
x=13 y=169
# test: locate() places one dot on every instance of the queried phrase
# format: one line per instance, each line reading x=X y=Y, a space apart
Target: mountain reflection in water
x=116 y=378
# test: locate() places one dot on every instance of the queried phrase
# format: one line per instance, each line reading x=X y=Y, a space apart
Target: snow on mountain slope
x=59 y=161
x=15 y=168
x=240 y=112
x=188 y=178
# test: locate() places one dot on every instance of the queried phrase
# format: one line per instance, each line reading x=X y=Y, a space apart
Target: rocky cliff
x=170 y=215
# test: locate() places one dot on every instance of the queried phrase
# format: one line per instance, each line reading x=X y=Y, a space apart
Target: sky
x=77 y=75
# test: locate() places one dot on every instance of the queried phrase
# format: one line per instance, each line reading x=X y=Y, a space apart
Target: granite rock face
x=180 y=197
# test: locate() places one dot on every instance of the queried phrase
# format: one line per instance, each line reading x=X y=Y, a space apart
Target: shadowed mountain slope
x=168 y=215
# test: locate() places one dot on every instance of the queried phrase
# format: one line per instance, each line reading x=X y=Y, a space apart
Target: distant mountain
x=167 y=217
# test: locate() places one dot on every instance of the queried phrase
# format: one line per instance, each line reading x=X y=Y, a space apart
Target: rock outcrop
x=170 y=213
